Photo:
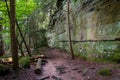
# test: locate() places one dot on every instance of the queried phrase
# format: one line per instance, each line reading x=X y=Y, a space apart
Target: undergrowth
x=104 y=72
x=24 y=62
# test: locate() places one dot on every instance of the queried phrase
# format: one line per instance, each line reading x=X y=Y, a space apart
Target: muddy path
x=77 y=69
x=60 y=66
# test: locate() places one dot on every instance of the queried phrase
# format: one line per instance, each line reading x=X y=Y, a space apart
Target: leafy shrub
x=3 y=67
x=104 y=72
x=24 y=62
x=4 y=70
x=116 y=57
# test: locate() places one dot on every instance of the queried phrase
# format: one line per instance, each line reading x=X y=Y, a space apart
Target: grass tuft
x=104 y=72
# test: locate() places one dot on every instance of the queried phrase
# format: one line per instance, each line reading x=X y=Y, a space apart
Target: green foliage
x=101 y=51
x=112 y=55
x=23 y=9
x=116 y=57
x=42 y=39
x=104 y=72
x=24 y=62
x=75 y=1
x=3 y=67
x=45 y=5
x=5 y=56
x=4 y=70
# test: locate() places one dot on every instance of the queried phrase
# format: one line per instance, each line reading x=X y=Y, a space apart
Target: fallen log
x=36 y=57
x=6 y=60
x=44 y=77
x=38 y=68
x=56 y=78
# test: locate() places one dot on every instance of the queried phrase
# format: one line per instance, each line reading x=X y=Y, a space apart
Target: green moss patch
x=104 y=72
x=24 y=62
x=116 y=57
x=4 y=70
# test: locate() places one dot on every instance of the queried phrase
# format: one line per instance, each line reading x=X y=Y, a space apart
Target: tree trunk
x=28 y=50
x=1 y=43
x=14 y=47
x=20 y=47
x=69 y=34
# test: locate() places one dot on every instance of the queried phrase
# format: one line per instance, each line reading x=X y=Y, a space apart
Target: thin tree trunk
x=14 y=47
x=69 y=34
x=28 y=50
x=20 y=47
x=29 y=32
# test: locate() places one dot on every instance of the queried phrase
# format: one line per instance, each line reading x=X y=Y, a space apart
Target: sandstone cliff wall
x=95 y=24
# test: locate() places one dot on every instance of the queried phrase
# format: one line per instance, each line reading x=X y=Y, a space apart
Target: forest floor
x=60 y=66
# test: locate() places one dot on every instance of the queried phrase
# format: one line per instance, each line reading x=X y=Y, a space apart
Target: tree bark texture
x=14 y=47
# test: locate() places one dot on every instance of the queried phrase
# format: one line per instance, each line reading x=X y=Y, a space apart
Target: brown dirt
x=73 y=69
